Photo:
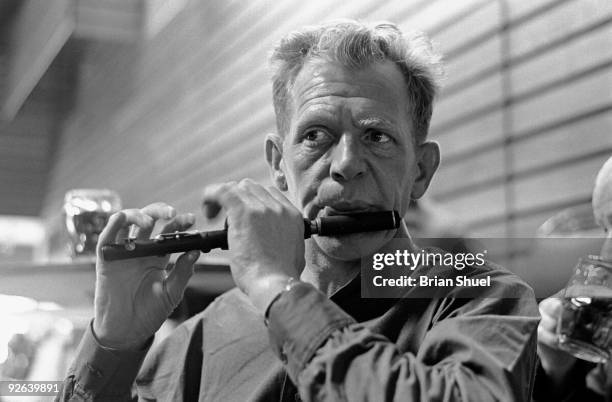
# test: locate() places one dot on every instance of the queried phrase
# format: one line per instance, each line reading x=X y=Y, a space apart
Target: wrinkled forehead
x=381 y=83
x=385 y=74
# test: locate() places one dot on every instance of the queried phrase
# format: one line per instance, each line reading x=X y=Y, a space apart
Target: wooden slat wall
x=524 y=120
x=115 y=20
x=42 y=29
x=525 y=123
x=27 y=142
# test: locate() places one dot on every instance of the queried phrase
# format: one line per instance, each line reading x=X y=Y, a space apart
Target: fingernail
x=171 y=212
x=193 y=255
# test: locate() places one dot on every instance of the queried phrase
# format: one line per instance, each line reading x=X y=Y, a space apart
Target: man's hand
x=265 y=237
x=134 y=297
x=555 y=362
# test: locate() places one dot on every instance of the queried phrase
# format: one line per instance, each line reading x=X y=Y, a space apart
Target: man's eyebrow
x=373 y=121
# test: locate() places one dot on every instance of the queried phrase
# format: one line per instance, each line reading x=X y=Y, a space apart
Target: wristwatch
x=291 y=282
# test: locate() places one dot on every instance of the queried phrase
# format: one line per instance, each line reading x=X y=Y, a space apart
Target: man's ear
x=428 y=159
x=274 y=156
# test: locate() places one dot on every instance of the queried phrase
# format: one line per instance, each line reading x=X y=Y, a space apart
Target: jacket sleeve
x=475 y=350
x=101 y=374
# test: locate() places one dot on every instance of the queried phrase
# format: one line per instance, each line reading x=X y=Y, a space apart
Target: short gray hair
x=357 y=45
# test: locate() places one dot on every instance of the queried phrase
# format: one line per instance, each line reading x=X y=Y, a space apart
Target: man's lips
x=347 y=208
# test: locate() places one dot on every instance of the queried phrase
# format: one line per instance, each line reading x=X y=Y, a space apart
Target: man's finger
x=549 y=323
x=548 y=338
x=255 y=194
x=115 y=223
x=157 y=210
x=280 y=197
x=179 y=223
x=551 y=306
x=119 y=223
x=177 y=279
x=133 y=217
x=215 y=197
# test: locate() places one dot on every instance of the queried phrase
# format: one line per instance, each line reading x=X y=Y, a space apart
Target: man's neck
x=328 y=275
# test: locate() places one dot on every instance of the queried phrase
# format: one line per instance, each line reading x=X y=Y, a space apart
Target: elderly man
x=353 y=104
x=561 y=376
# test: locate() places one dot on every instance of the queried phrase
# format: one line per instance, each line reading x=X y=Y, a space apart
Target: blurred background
x=156 y=98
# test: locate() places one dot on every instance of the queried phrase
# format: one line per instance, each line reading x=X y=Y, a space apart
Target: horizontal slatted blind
x=526 y=123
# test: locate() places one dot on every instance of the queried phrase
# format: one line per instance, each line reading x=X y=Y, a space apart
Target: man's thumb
x=179 y=276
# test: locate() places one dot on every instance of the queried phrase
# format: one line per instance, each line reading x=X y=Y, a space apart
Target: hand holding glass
x=584 y=328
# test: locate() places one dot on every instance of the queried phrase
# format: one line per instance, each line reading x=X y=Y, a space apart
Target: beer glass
x=86 y=212
x=584 y=328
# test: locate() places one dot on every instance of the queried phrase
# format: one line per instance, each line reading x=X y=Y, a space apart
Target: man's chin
x=352 y=247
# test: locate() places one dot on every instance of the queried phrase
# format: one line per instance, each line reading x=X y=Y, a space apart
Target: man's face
x=350 y=148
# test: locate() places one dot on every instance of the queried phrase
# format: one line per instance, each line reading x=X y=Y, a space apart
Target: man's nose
x=347 y=159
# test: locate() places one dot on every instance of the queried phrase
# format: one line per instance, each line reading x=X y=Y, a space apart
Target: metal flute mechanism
x=178 y=242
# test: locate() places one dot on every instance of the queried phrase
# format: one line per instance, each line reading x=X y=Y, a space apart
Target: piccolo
x=178 y=242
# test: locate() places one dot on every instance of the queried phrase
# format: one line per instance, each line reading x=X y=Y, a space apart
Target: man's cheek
x=401 y=198
x=306 y=199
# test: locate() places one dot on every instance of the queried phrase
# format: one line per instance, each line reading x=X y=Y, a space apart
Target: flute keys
x=174 y=235
x=130 y=244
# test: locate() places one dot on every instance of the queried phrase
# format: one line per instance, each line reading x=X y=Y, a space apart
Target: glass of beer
x=584 y=328
x=86 y=212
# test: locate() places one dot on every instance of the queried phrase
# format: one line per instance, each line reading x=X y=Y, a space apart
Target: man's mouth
x=346 y=208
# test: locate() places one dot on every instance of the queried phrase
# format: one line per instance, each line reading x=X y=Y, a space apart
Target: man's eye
x=315 y=136
x=378 y=137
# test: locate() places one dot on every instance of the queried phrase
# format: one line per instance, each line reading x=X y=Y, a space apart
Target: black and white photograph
x=325 y=200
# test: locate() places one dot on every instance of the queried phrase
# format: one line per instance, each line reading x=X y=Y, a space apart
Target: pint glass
x=86 y=212
x=584 y=328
